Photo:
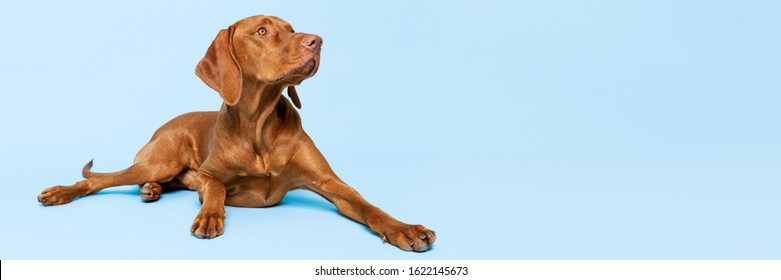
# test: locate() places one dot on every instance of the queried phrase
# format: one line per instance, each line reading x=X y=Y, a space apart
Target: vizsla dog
x=254 y=150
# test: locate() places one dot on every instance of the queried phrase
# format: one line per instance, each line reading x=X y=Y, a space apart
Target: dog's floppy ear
x=219 y=68
x=291 y=91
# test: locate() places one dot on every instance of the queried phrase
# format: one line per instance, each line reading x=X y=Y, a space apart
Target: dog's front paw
x=209 y=223
x=58 y=195
x=408 y=237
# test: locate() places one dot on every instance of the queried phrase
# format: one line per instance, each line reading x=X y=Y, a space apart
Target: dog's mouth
x=308 y=69
x=300 y=73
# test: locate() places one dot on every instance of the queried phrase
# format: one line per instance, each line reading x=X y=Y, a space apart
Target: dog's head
x=262 y=49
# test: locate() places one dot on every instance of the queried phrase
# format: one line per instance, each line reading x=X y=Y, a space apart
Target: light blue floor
x=526 y=213
x=550 y=130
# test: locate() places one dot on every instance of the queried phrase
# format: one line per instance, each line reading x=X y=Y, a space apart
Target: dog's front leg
x=314 y=169
x=211 y=218
x=351 y=204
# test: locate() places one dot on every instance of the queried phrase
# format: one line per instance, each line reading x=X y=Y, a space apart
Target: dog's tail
x=89 y=174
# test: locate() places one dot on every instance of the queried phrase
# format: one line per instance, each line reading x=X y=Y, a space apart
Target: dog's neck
x=247 y=118
x=257 y=101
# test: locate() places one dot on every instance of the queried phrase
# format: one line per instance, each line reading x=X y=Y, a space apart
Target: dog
x=253 y=150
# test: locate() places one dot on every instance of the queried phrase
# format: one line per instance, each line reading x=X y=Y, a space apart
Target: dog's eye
x=262 y=31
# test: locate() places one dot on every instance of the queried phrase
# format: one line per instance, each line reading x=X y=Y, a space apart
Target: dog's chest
x=246 y=160
x=254 y=192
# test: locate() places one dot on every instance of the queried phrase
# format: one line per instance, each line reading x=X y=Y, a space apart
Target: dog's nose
x=312 y=42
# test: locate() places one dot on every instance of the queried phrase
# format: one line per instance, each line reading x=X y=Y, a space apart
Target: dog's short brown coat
x=254 y=150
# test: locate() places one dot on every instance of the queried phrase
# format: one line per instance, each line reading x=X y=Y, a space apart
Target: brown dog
x=253 y=151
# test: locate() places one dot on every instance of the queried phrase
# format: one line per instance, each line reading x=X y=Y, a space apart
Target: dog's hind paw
x=59 y=195
x=151 y=191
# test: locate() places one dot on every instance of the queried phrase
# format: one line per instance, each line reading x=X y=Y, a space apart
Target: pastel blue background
x=515 y=129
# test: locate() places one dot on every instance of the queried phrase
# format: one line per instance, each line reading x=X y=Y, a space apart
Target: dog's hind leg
x=185 y=180
x=151 y=191
x=138 y=173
